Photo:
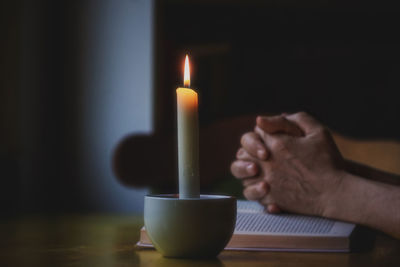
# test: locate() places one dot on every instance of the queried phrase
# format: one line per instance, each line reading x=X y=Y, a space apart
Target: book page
x=249 y=206
x=251 y=219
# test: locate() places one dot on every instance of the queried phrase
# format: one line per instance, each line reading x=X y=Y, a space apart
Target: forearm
x=364 y=171
x=366 y=202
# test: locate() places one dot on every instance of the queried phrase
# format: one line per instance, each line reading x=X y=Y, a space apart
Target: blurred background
x=79 y=76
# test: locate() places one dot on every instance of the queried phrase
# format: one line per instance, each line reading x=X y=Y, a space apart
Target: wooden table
x=110 y=241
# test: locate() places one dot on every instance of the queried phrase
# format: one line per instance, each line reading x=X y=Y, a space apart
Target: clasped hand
x=291 y=163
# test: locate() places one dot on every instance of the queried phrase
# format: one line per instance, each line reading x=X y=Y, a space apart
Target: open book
x=258 y=230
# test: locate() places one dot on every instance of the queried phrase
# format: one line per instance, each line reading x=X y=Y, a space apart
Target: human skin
x=291 y=162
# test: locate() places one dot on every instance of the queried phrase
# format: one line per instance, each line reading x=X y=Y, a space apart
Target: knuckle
x=302 y=114
x=278 y=144
x=269 y=179
x=323 y=132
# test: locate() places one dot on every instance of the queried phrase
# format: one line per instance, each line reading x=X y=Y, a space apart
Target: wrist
x=353 y=199
x=366 y=202
x=339 y=198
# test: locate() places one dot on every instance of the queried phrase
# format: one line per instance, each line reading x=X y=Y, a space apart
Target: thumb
x=278 y=124
x=305 y=121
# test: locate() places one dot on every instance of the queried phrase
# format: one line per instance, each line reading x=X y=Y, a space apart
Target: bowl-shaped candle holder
x=189 y=227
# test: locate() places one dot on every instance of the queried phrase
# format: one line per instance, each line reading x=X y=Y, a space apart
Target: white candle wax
x=188 y=143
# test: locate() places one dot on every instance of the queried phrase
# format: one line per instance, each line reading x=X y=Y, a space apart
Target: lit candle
x=188 y=138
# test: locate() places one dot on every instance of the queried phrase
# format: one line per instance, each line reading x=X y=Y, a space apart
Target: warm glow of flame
x=187 y=98
x=186 y=77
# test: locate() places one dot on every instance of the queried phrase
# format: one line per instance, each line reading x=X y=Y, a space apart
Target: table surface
x=99 y=240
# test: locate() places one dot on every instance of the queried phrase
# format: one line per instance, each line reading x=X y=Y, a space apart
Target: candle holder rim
x=176 y=197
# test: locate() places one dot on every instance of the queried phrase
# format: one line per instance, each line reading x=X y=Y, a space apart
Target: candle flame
x=186 y=78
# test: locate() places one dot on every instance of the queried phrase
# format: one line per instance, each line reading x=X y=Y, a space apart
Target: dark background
x=40 y=92
x=338 y=60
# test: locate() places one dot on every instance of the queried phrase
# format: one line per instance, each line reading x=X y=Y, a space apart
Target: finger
x=273 y=208
x=261 y=167
x=269 y=203
x=278 y=124
x=243 y=155
x=243 y=169
x=273 y=142
x=252 y=143
x=261 y=133
x=256 y=191
x=266 y=201
x=306 y=122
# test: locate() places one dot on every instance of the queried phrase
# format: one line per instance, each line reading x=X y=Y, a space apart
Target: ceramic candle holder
x=192 y=227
